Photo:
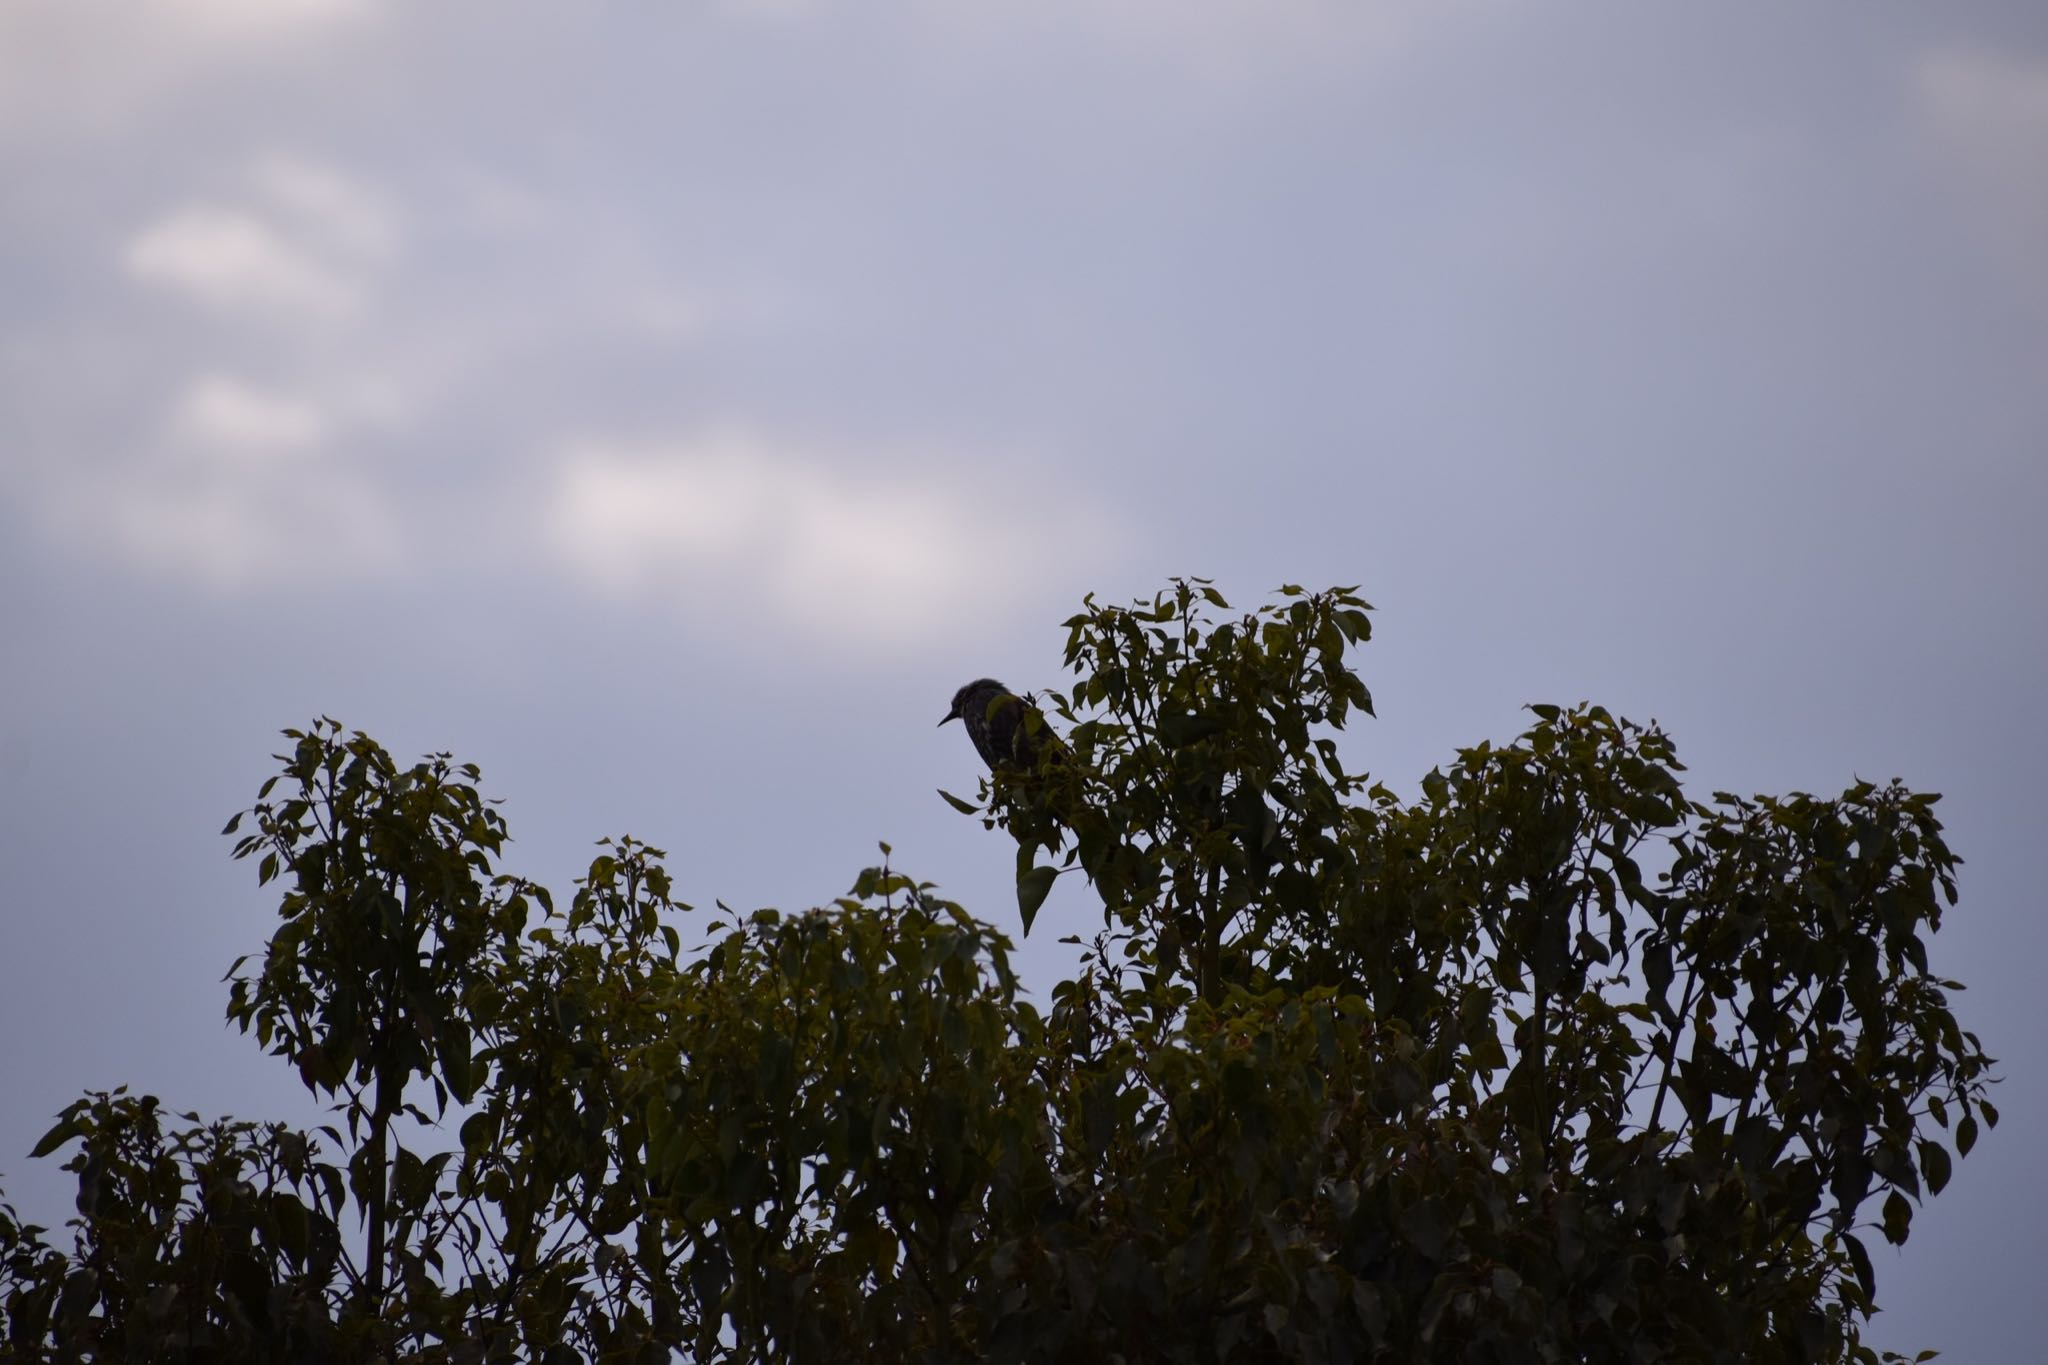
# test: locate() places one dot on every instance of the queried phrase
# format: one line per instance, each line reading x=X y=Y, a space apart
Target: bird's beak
x=951 y=715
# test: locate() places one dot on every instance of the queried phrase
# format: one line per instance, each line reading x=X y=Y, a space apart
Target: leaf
x=479 y=1130
x=81 y=1288
x=1896 y=1167
x=1098 y=1116
x=1966 y=1134
x=964 y=807
x=1898 y=1216
x=1934 y=1164
x=1860 y=1259
x=1031 y=892
x=65 y=1130
x=453 y=1047
x=1180 y=729
x=1657 y=974
x=1426 y=1224
x=290 y=1219
x=1360 y=696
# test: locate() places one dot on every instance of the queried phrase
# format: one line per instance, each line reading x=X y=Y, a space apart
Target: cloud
x=67 y=65
x=728 y=519
x=1989 y=111
x=240 y=481
x=221 y=413
x=305 y=253
x=245 y=486
x=230 y=533
x=236 y=475
x=255 y=21
x=344 y=215
x=233 y=524
x=232 y=260
x=1224 y=41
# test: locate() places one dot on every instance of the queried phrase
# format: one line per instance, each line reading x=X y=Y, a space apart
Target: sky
x=667 y=407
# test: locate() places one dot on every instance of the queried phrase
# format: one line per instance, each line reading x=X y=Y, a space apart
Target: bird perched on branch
x=1012 y=736
x=1006 y=729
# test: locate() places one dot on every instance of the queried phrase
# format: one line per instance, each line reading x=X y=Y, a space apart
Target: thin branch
x=1671 y=1044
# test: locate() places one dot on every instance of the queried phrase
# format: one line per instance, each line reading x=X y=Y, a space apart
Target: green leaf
x=1657 y=974
x=1934 y=1164
x=1427 y=1224
x=1897 y=1169
x=1179 y=729
x=1860 y=1259
x=453 y=1047
x=65 y=1130
x=1898 y=1216
x=1031 y=892
x=478 y=1132
x=289 y=1216
x=964 y=807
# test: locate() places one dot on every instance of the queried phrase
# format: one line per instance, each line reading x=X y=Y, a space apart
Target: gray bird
x=995 y=721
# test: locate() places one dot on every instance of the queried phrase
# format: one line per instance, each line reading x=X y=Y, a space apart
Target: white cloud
x=233 y=260
x=229 y=525
x=727 y=519
x=345 y=215
x=239 y=483
x=231 y=532
x=246 y=21
x=664 y=314
x=308 y=252
x=222 y=414
x=97 y=64
x=1989 y=111
x=1221 y=40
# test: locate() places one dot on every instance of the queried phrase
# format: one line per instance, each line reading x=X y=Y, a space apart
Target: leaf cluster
x=1552 y=1062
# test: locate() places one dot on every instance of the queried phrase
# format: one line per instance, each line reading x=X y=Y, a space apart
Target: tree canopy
x=1552 y=1062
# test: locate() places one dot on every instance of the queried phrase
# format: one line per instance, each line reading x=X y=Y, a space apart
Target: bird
x=1015 y=741
x=995 y=718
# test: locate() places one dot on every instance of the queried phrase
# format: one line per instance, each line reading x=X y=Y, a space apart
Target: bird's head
x=973 y=699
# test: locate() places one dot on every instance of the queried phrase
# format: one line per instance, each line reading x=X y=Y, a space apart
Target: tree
x=1553 y=1062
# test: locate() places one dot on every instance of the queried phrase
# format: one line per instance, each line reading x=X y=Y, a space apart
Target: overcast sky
x=667 y=406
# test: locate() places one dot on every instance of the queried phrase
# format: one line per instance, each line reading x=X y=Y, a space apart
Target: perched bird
x=1011 y=735
x=995 y=719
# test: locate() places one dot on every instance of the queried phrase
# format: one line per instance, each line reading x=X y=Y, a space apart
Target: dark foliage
x=1553 y=1063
